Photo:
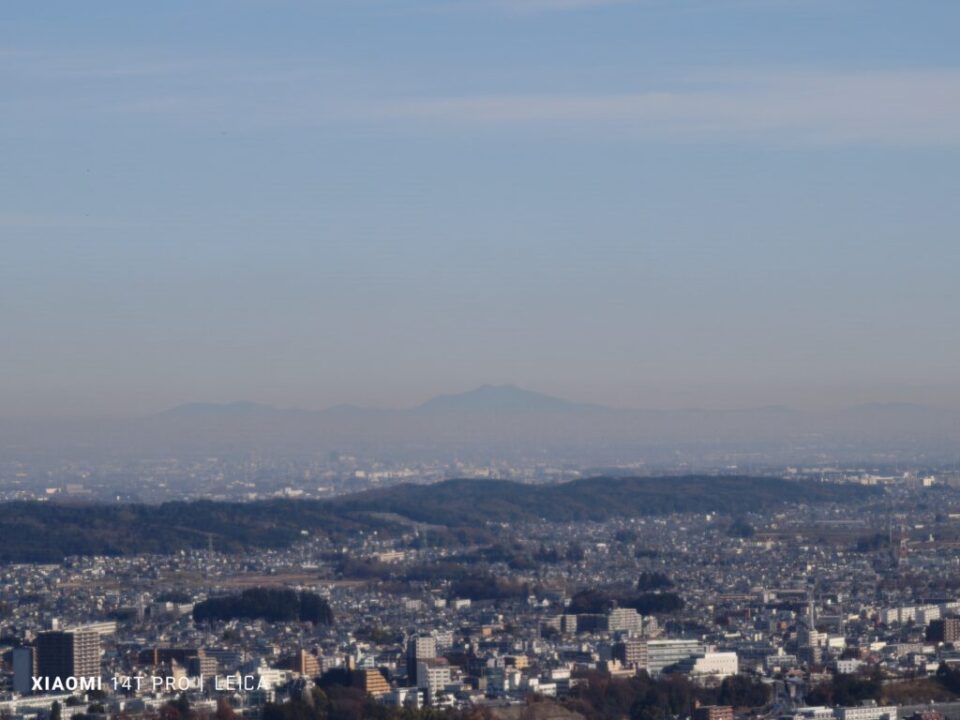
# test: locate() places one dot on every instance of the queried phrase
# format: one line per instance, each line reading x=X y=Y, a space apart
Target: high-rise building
x=811 y=638
x=566 y=624
x=631 y=652
x=593 y=622
x=306 y=663
x=444 y=640
x=374 y=683
x=625 y=620
x=202 y=665
x=944 y=630
x=433 y=674
x=24 y=668
x=419 y=647
x=66 y=654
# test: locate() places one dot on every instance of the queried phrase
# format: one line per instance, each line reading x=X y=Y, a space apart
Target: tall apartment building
x=566 y=624
x=631 y=652
x=202 y=665
x=625 y=620
x=866 y=712
x=593 y=622
x=24 y=668
x=944 y=630
x=419 y=647
x=433 y=674
x=374 y=683
x=306 y=663
x=444 y=640
x=811 y=638
x=66 y=654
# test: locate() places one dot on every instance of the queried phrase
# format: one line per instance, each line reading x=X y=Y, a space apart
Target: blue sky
x=659 y=203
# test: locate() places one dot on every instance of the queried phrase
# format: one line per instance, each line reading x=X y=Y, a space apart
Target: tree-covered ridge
x=473 y=502
x=48 y=532
x=272 y=604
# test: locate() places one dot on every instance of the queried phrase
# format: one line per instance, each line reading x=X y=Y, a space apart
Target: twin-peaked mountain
x=504 y=421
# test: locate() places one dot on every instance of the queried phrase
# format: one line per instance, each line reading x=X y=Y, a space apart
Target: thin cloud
x=902 y=107
x=540 y=6
x=536 y=7
x=787 y=106
x=30 y=222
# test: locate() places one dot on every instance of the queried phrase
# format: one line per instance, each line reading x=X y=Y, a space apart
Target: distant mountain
x=486 y=398
x=499 y=398
x=231 y=409
x=505 y=422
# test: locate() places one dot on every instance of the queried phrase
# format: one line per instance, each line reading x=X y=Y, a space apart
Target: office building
x=664 y=653
x=712 y=664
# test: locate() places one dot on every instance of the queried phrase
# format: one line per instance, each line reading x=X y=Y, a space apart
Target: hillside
x=473 y=502
x=47 y=532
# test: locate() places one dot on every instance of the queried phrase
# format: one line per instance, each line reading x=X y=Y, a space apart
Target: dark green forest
x=475 y=502
x=598 y=600
x=48 y=532
x=273 y=604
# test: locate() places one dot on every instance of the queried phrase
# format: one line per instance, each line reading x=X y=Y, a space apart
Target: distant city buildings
x=808 y=597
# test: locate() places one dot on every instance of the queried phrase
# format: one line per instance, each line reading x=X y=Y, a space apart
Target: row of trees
x=601 y=601
x=272 y=604
x=644 y=698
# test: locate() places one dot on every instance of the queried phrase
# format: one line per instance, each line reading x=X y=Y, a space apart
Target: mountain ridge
x=48 y=532
x=505 y=422
x=509 y=396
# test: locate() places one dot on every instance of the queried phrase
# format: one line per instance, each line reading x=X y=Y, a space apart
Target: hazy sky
x=651 y=203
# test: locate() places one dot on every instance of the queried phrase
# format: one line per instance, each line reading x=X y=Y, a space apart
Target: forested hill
x=48 y=532
x=473 y=502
